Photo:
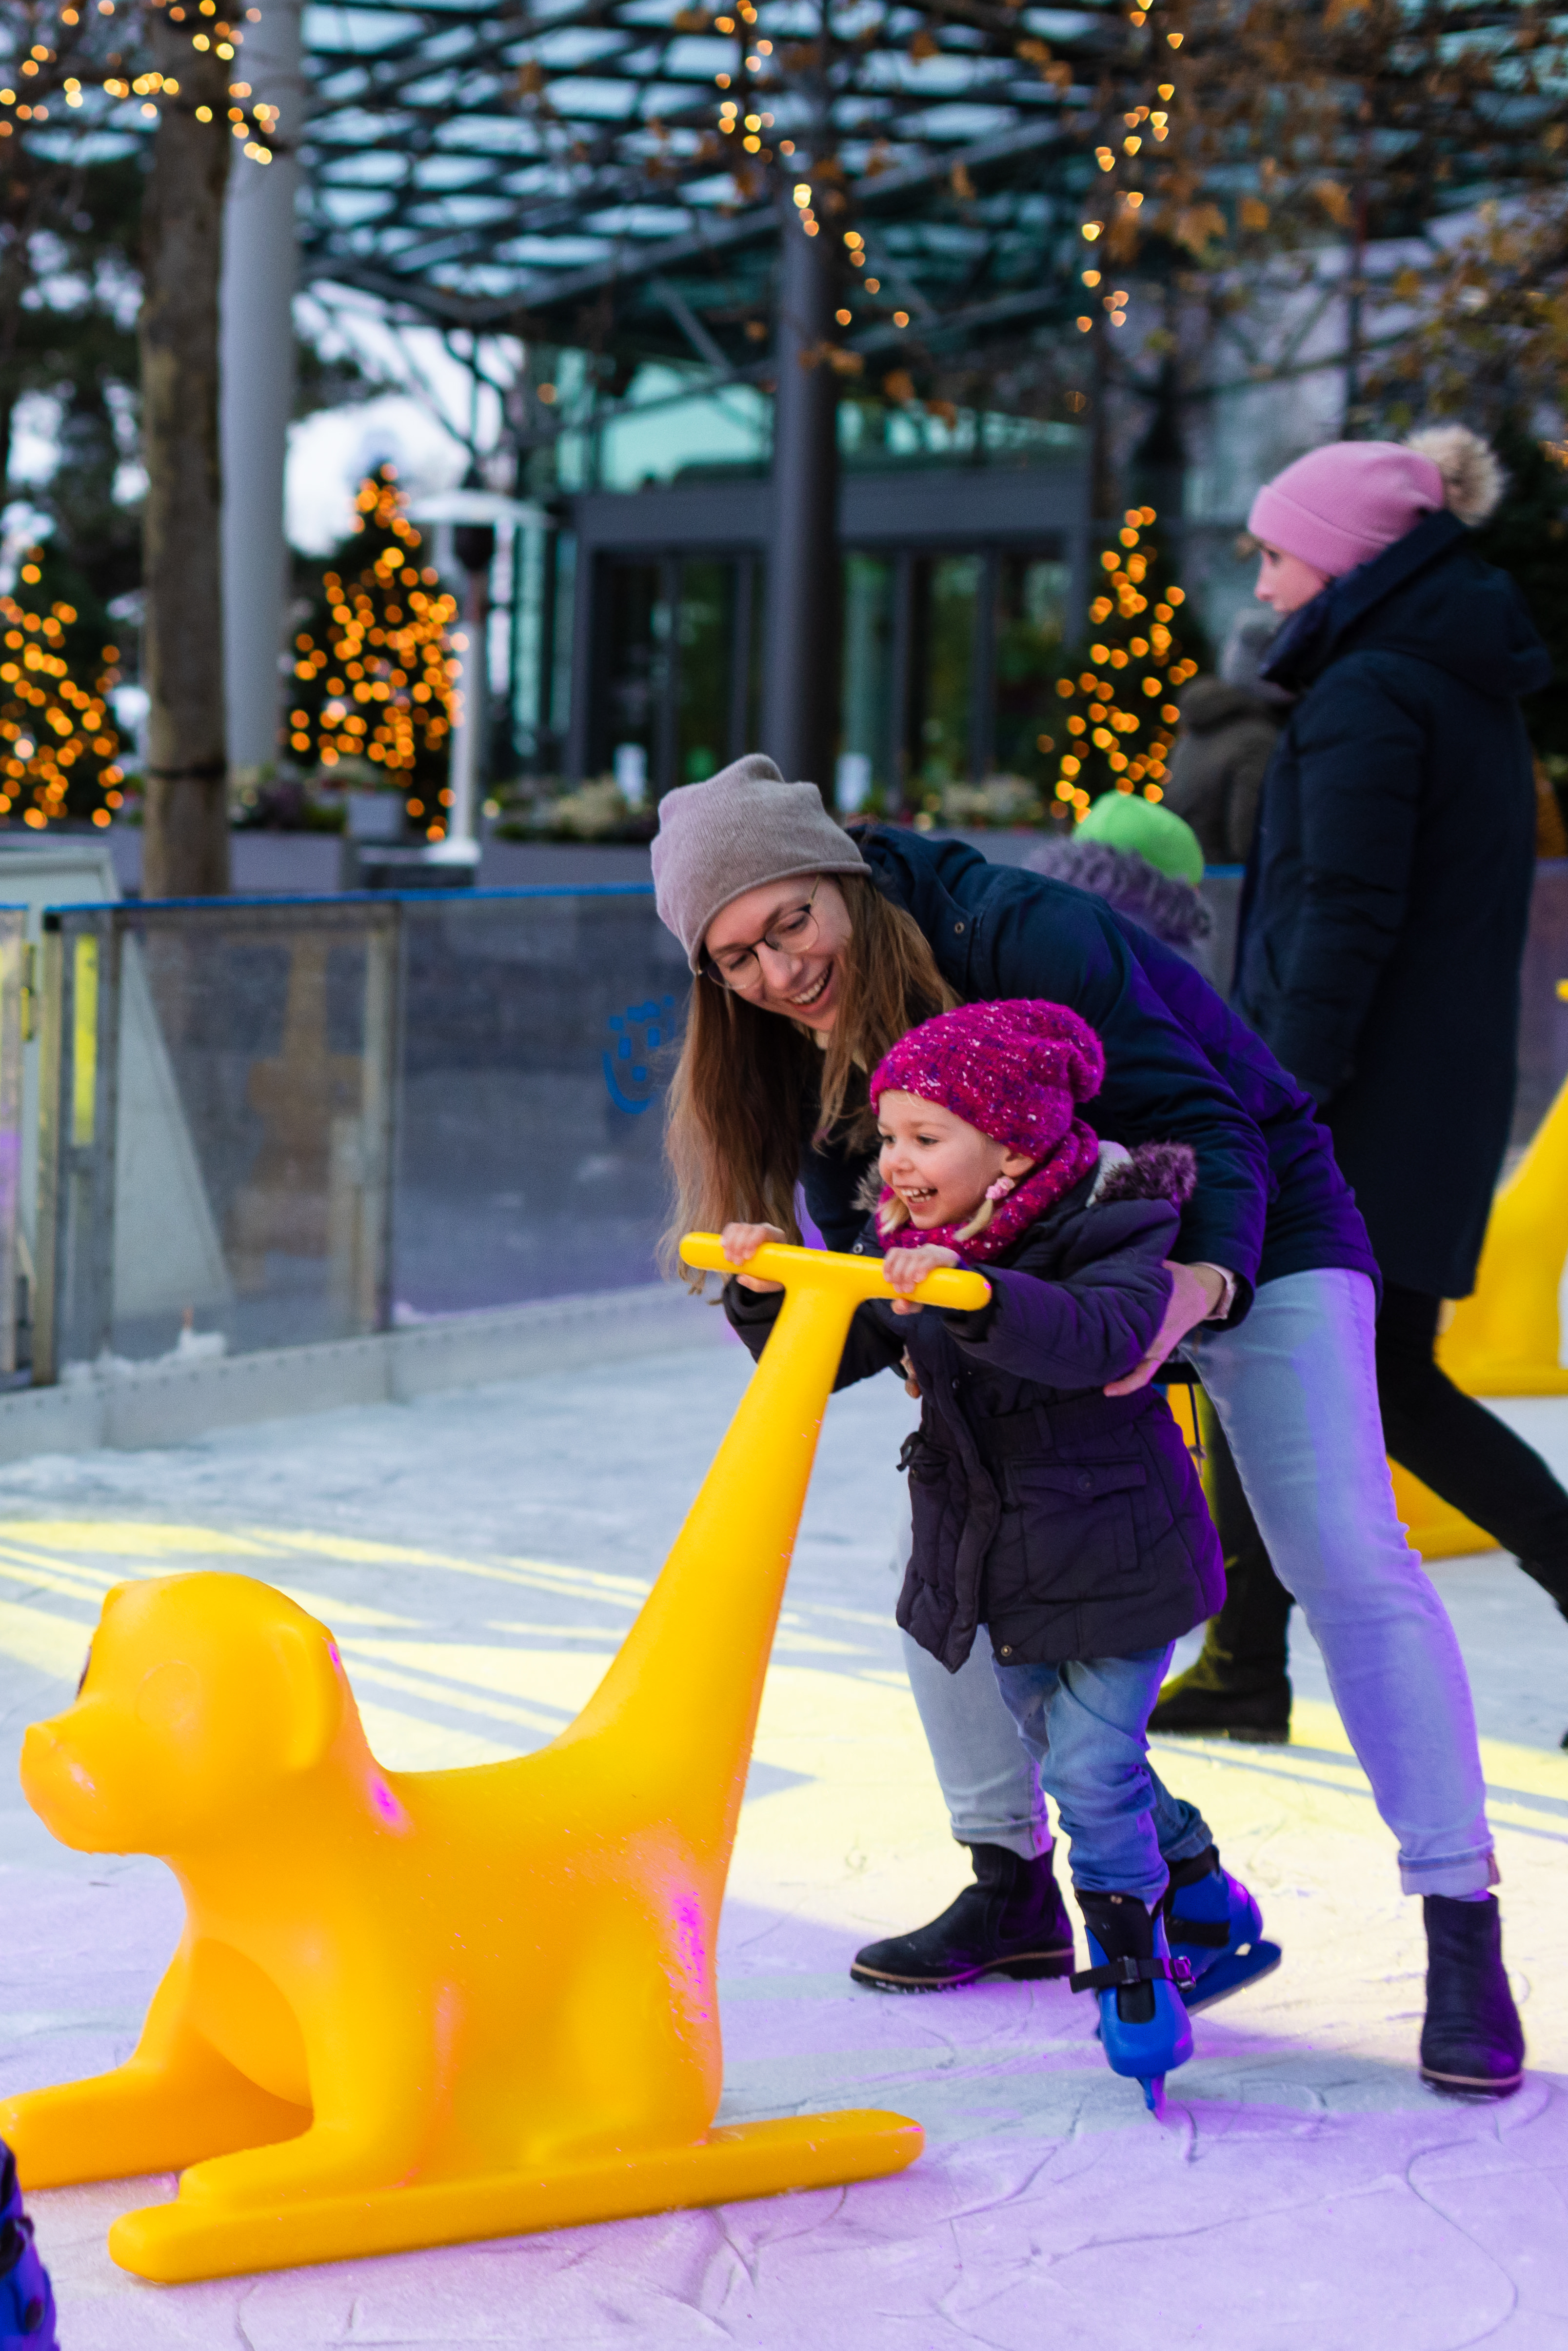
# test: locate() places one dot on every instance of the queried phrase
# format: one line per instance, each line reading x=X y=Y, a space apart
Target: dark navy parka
x=1386 y=903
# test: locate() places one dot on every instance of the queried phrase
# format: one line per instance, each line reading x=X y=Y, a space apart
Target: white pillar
x=261 y=264
x=475 y=545
x=468 y=734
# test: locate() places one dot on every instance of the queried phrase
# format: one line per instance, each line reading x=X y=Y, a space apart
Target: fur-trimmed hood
x=1155 y=1171
x=1170 y=908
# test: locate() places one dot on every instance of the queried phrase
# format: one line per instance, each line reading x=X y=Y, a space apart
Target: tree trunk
x=186 y=851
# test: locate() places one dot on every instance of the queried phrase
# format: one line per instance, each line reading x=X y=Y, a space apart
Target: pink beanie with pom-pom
x=1339 y=506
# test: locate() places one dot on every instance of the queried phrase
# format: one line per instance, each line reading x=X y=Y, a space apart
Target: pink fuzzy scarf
x=1071 y=1160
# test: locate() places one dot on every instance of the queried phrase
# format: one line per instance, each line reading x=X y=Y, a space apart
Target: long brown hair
x=750 y=1086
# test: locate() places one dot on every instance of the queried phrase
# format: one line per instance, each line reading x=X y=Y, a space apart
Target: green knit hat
x=1157 y=835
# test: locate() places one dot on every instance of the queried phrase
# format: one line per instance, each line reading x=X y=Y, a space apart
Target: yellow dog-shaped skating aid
x=413 y=2008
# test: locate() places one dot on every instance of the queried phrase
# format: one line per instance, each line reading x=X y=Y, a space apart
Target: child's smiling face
x=937 y=1164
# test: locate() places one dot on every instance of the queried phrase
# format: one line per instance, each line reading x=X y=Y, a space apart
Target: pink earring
x=1001 y=1188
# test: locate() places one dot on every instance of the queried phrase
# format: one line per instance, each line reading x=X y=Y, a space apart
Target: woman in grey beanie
x=815 y=952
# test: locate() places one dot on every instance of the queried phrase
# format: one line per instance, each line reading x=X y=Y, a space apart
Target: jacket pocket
x=1077 y=1529
x=936 y=1507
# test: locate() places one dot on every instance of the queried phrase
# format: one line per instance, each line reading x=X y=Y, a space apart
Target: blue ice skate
x=27 y=2297
x=1143 y=2027
x=1217 y=1928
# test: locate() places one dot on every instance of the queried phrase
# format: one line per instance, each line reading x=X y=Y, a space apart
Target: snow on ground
x=479 y=1555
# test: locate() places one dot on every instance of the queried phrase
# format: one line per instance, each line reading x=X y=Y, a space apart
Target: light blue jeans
x=1083 y=1725
x=1296 y=1390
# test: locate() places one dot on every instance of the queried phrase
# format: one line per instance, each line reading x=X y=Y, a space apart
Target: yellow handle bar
x=861 y=1277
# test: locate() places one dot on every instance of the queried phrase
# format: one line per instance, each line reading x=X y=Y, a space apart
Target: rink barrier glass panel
x=273 y=1122
x=267 y=1122
x=538 y=1029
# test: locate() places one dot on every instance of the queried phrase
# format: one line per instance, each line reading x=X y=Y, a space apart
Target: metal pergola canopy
x=567 y=172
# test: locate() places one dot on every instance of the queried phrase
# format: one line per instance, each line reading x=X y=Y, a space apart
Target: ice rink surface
x=479 y=1556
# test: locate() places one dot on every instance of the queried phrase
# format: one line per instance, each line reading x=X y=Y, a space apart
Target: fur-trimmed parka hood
x=1169 y=907
x=1155 y=1171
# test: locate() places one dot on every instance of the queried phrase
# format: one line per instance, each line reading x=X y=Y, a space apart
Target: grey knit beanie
x=742 y=827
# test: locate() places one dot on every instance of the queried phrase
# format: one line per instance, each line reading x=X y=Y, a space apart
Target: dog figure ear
x=312 y=1709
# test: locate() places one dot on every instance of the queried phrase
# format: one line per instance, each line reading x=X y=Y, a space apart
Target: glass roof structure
x=608 y=175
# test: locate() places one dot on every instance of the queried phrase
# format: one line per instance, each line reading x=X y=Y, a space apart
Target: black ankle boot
x=1010 y=1922
x=1213 y=1700
x=1472 y=2042
x=1239 y=1687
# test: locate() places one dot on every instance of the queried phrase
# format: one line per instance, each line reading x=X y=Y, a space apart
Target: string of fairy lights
x=1124 y=725
x=1114 y=216
x=862 y=130
x=49 y=71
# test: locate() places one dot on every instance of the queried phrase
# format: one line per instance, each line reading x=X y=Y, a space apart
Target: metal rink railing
x=266 y=1124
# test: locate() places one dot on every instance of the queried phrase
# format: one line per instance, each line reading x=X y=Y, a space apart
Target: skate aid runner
x=1069 y=1522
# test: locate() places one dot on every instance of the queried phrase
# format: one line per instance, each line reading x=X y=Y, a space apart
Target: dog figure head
x=203 y=1696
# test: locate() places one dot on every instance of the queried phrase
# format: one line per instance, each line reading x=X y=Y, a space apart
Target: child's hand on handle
x=741 y=1242
x=906 y=1269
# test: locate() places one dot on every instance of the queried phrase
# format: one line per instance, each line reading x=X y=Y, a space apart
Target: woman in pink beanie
x=1383 y=933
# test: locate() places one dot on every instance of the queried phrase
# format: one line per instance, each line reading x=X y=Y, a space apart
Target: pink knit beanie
x=1339 y=506
x=1013 y=1070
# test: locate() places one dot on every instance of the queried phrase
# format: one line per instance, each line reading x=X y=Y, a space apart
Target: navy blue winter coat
x=1071 y=1522
x=1384 y=918
x=1178 y=1064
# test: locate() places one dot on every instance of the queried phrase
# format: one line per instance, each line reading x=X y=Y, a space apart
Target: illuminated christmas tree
x=1124 y=722
x=374 y=672
x=59 y=748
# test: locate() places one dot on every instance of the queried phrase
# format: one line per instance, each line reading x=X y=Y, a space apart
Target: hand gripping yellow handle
x=855 y=1277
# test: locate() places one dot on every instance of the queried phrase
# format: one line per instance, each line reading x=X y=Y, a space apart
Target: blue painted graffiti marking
x=635 y=1036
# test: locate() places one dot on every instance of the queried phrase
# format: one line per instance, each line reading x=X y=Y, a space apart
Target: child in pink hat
x=1064 y=1515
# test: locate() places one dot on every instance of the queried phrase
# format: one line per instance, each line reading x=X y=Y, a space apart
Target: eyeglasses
x=793 y=934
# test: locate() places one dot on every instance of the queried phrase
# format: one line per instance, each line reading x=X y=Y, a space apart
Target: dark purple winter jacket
x=1068 y=1521
x=1178 y=1064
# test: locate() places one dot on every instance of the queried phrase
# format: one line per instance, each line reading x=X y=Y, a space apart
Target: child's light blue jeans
x=1083 y=1723
x=1295 y=1387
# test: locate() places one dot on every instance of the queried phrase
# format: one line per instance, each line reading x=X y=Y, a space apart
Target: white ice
x=1305 y=2192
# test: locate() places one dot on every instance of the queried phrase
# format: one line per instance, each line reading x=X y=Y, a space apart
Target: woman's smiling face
x=804 y=982
x=936 y=1164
